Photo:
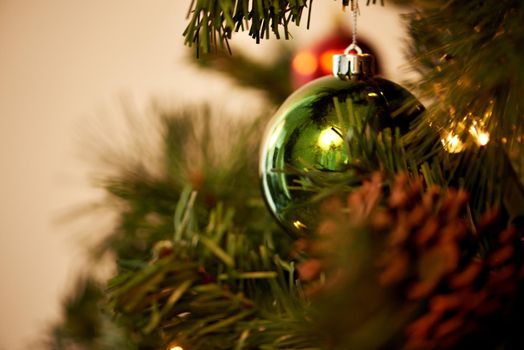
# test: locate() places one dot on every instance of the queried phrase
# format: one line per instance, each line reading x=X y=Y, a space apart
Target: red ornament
x=317 y=60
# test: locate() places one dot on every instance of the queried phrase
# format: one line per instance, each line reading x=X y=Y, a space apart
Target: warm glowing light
x=483 y=139
x=480 y=137
x=329 y=138
x=326 y=61
x=176 y=347
x=452 y=143
x=299 y=225
x=489 y=111
x=305 y=63
x=372 y=94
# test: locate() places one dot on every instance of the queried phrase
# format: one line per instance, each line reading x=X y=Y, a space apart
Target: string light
x=452 y=143
x=480 y=137
x=175 y=347
x=455 y=141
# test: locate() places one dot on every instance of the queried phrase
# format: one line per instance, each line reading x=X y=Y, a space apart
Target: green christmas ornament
x=314 y=142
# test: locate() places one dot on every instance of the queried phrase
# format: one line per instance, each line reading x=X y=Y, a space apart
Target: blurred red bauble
x=316 y=61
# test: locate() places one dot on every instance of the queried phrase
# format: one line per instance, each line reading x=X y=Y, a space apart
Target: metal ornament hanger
x=353 y=64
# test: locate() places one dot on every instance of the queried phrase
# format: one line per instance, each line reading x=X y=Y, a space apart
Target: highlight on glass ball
x=311 y=144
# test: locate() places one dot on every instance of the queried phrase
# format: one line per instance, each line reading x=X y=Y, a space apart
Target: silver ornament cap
x=353 y=64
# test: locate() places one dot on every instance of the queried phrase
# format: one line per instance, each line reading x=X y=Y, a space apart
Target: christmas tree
x=399 y=233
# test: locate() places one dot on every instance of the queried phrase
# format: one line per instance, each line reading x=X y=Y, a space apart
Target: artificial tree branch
x=212 y=22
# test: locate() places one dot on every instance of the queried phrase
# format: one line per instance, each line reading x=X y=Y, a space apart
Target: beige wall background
x=65 y=66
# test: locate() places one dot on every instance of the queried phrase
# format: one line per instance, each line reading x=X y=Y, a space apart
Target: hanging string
x=355 y=11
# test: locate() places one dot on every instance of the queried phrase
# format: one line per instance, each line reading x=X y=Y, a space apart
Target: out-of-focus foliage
x=271 y=78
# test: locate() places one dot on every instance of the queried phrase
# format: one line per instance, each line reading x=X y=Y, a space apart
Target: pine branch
x=213 y=22
x=469 y=56
x=191 y=155
x=151 y=199
x=213 y=289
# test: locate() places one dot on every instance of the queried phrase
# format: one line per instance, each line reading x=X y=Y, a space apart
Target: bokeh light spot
x=326 y=61
x=305 y=63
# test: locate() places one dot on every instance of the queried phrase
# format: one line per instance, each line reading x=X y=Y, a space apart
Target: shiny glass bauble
x=308 y=144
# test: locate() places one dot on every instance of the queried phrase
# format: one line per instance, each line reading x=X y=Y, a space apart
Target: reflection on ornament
x=298 y=225
x=274 y=138
x=452 y=143
x=330 y=138
x=305 y=63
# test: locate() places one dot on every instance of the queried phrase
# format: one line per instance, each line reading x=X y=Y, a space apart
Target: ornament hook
x=353 y=49
x=353 y=64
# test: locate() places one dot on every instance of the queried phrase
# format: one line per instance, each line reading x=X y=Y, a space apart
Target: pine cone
x=433 y=256
x=464 y=280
